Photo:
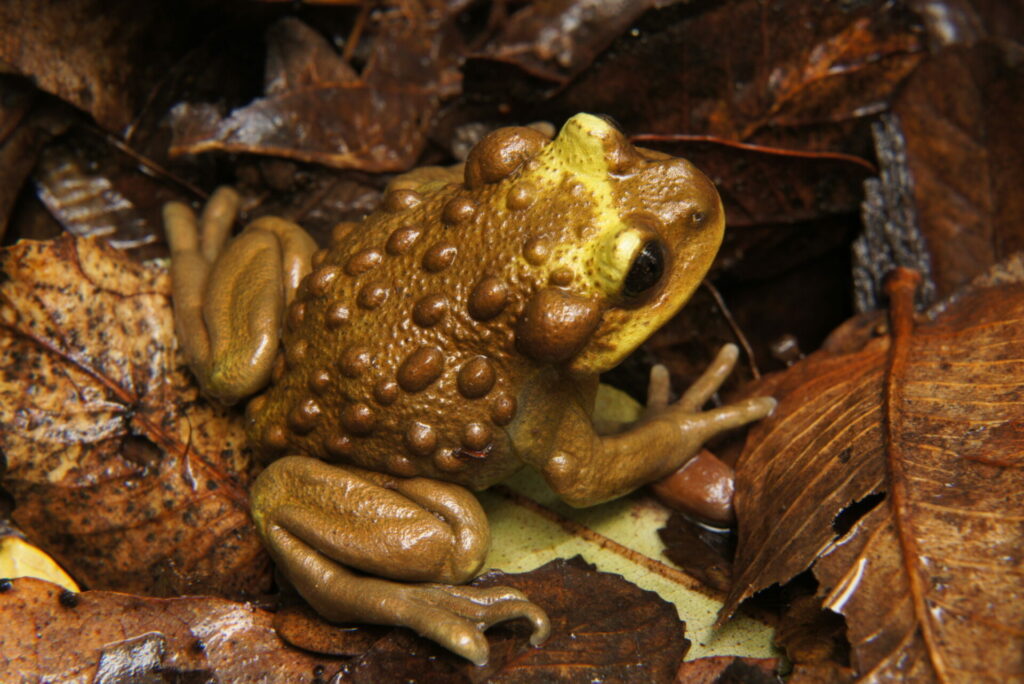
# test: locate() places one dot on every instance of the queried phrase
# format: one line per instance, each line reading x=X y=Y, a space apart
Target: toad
x=450 y=338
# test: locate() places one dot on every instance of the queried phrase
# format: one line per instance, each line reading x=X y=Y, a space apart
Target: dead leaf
x=115 y=466
x=923 y=431
x=811 y=635
x=18 y=558
x=86 y=202
x=806 y=64
x=960 y=113
x=316 y=108
x=553 y=40
x=27 y=122
x=728 y=670
x=57 y=635
x=762 y=185
x=101 y=57
x=602 y=629
x=704 y=553
x=299 y=626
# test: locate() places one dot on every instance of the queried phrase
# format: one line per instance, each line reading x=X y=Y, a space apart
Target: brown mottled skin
x=453 y=336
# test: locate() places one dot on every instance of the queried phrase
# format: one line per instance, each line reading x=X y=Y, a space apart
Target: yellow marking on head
x=581 y=152
x=581 y=158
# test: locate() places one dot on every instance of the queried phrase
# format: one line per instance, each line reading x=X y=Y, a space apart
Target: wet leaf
x=531 y=527
x=317 y=108
x=115 y=468
x=54 y=634
x=704 y=553
x=603 y=628
x=918 y=438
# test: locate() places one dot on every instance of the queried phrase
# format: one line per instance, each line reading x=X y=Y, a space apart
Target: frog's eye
x=646 y=269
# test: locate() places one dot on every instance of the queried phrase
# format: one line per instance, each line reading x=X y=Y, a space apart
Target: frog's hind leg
x=229 y=296
x=327 y=525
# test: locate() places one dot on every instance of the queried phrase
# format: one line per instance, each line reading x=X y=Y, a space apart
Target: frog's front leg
x=229 y=296
x=585 y=468
x=325 y=525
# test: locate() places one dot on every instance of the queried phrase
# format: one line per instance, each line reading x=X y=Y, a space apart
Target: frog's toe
x=659 y=388
x=714 y=375
x=457 y=616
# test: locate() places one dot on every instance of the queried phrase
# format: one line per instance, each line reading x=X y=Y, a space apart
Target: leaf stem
x=901 y=286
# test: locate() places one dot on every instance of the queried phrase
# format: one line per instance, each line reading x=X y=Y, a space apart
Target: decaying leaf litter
x=899 y=447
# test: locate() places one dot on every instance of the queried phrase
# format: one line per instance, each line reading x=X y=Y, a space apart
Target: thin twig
x=740 y=337
x=156 y=168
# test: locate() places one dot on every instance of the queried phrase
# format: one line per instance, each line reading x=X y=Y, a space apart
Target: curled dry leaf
x=602 y=629
x=115 y=466
x=923 y=431
x=318 y=109
x=56 y=635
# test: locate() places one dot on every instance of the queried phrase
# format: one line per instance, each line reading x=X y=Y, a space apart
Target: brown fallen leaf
x=728 y=670
x=57 y=635
x=923 y=431
x=602 y=629
x=316 y=108
x=960 y=115
x=27 y=123
x=101 y=57
x=704 y=553
x=812 y=65
x=301 y=627
x=763 y=185
x=86 y=202
x=116 y=467
x=553 y=41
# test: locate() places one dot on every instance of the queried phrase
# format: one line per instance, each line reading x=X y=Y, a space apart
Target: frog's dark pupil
x=646 y=270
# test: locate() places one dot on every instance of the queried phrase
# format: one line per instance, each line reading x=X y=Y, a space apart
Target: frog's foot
x=703 y=485
x=330 y=527
x=700 y=425
x=229 y=296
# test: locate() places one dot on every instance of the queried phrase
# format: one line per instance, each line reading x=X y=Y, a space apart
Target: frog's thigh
x=318 y=521
x=410 y=529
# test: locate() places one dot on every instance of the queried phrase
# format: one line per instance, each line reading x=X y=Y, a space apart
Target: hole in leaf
x=849 y=516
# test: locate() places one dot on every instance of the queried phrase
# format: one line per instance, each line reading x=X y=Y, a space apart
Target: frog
x=450 y=338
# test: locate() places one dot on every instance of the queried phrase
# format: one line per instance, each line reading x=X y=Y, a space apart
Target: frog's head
x=624 y=237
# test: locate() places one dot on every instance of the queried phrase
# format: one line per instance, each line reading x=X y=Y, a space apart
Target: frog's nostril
x=698 y=218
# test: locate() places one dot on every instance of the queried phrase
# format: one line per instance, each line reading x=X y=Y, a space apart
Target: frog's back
x=399 y=349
